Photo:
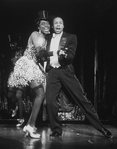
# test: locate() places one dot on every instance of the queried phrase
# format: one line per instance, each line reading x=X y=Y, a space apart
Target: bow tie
x=54 y=35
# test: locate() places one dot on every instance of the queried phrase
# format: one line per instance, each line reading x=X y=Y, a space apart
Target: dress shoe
x=25 y=128
x=106 y=133
x=55 y=134
x=14 y=112
x=31 y=131
x=20 y=122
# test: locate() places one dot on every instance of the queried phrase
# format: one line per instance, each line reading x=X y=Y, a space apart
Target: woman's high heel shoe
x=25 y=128
x=30 y=131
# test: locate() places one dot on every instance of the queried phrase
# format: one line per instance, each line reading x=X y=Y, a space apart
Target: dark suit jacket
x=68 y=43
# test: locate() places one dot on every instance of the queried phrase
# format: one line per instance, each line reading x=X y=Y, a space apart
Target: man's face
x=44 y=26
x=58 y=25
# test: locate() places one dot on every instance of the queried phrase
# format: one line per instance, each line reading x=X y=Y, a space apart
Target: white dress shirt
x=54 y=46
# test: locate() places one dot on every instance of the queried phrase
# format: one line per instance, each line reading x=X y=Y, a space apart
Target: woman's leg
x=19 y=97
x=30 y=127
x=11 y=100
x=38 y=89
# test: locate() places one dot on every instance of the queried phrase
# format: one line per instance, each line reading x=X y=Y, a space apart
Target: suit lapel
x=63 y=41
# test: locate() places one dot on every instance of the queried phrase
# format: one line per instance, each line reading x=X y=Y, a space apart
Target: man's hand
x=62 y=52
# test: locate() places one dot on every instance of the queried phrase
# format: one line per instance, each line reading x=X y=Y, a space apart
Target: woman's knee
x=19 y=94
x=40 y=92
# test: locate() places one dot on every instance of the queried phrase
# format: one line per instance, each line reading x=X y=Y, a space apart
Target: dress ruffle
x=26 y=70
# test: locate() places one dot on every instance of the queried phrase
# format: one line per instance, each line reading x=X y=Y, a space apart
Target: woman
x=28 y=71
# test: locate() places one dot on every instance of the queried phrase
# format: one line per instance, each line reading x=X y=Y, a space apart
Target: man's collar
x=54 y=35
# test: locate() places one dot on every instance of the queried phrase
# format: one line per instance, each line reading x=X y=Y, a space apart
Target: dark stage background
x=94 y=23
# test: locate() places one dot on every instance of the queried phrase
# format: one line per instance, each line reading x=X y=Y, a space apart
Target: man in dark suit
x=61 y=73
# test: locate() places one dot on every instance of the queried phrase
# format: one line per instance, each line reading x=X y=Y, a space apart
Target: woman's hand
x=38 y=49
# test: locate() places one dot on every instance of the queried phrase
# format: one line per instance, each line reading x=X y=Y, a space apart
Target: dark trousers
x=66 y=77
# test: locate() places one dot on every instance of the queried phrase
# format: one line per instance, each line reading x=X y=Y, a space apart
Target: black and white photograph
x=58 y=74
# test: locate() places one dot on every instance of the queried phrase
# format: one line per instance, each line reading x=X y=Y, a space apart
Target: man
x=61 y=72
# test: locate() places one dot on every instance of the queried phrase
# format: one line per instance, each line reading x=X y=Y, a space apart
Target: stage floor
x=75 y=136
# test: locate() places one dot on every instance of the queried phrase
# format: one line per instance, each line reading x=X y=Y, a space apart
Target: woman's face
x=44 y=26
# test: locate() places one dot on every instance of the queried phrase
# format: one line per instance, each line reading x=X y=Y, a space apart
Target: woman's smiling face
x=44 y=26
